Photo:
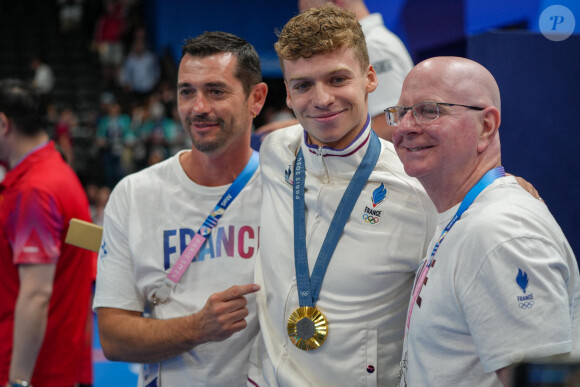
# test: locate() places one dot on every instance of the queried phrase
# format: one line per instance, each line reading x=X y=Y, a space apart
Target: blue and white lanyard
x=309 y=287
x=484 y=182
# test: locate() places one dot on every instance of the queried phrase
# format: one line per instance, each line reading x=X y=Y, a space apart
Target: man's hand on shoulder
x=526 y=185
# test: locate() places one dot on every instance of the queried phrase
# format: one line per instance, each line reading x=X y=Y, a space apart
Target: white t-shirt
x=367 y=284
x=390 y=59
x=504 y=286
x=149 y=219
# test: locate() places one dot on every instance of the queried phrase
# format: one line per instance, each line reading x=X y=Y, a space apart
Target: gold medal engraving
x=307 y=328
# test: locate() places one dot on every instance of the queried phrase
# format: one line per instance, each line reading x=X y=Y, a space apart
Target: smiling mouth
x=418 y=148
x=326 y=116
x=203 y=125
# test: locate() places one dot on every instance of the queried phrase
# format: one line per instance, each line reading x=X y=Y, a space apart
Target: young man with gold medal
x=343 y=228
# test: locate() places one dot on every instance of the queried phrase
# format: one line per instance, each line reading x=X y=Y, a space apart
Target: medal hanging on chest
x=307 y=325
x=307 y=328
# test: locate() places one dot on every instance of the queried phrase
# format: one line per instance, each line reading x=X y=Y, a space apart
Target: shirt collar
x=330 y=160
x=37 y=153
x=31 y=152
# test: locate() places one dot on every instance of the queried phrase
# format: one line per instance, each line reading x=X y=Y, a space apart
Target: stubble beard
x=208 y=145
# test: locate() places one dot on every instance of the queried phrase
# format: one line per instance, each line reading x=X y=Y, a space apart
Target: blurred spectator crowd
x=134 y=122
x=128 y=119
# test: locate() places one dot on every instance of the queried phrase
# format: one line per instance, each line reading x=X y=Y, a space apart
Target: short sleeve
x=34 y=228
x=518 y=305
x=115 y=285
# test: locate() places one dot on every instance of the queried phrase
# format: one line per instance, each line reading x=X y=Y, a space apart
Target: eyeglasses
x=423 y=111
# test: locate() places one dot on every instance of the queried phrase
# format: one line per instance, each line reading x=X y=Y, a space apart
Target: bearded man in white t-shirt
x=202 y=329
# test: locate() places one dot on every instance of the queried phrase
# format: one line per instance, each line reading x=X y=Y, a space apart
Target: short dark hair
x=21 y=105
x=248 y=71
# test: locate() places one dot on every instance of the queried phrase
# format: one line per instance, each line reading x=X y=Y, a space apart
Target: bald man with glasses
x=500 y=281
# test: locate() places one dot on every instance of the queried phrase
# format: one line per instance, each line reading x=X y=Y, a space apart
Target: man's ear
x=490 y=125
x=372 y=79
x=259 y=93
x=288 y=97
x=4 y=124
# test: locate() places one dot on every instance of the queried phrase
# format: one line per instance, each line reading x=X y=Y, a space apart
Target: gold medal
x=307 y=328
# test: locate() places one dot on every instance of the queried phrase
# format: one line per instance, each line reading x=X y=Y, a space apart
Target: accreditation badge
x=307 y=328
x=151 y=375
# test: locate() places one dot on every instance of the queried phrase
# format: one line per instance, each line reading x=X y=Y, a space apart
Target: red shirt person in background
x=45 y=283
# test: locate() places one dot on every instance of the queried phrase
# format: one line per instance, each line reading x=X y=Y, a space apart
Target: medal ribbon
x=486 y=180
x=162 y=294
x=309 y=288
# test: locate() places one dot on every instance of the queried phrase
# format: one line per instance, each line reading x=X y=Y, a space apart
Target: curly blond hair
x=321 y=30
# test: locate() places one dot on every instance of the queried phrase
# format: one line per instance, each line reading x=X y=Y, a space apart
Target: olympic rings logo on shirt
x=371 y=219
x=526 y=305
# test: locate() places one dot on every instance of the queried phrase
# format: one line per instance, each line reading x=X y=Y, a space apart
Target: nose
x=322 y=97
x=407 y=125
x=200 y=105
x=408 y=121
